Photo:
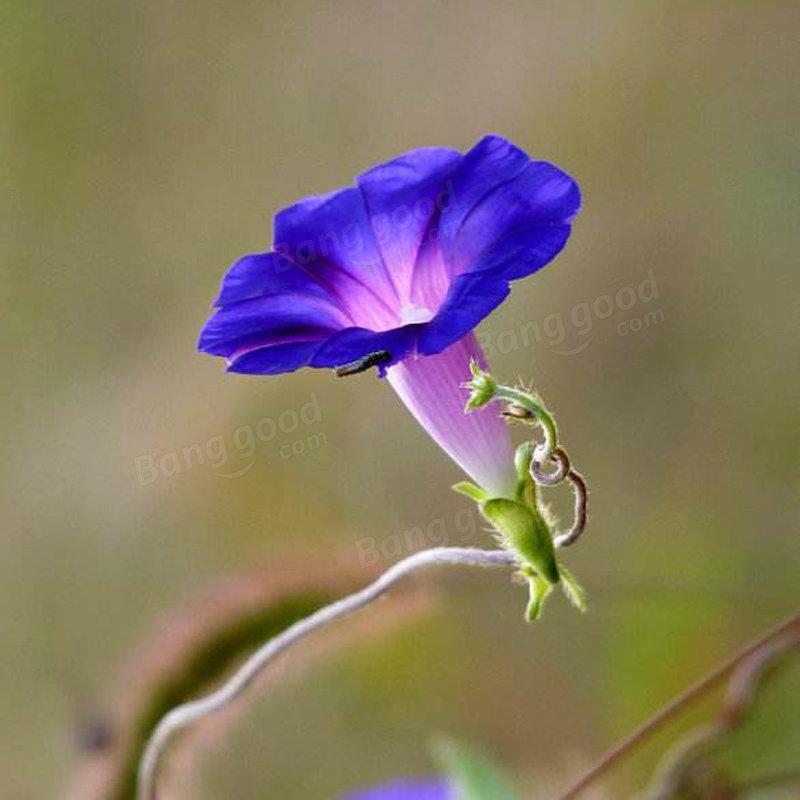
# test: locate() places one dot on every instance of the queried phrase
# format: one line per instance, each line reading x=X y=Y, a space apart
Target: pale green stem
x=543 y=417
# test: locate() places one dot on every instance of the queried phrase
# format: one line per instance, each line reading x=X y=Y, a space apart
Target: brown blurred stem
x=788 y=778
x=789 y=626
x=685 y=763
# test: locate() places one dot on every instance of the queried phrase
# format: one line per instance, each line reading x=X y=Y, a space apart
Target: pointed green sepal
x=472 y=491
x=526 y=533
x=523 y=457
x=572 y=589
x=539 y=590
x=482 y=387
x=526 y=488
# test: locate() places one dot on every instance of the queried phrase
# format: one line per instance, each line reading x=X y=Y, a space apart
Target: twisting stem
x=536 y=408
x=189 y=713
x=672 y=709
x=564 y=470
x=563 y=466
x=678 y=766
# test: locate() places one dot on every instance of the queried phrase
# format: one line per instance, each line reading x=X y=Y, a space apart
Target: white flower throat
x=411 y=314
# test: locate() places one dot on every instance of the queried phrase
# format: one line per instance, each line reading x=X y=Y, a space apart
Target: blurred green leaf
x=768 y=743
x=472 y=773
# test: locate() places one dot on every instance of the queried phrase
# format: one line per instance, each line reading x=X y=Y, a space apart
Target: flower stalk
x=522 y=523
x=191 y=713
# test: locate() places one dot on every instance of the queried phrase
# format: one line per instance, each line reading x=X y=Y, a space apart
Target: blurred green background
x=145 y=146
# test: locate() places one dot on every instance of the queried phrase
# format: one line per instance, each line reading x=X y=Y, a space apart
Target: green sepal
x=472 y=491
x=523 y=458
x=482 y=387
x=526 y=533
x=539 y=590
x=526 y=488
x=573 y=591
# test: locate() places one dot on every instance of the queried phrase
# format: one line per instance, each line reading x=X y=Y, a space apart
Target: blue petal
x=407 y=790
x=430 y=231
x=266 y=318
x=332 y=238
x=276 y=359
x=509 y=217
x=322 y=349
x=540 y=195
x=471 y=298
x=522 y=251
x=262 y=275
x=353 y=344
x=403 y=198
x=489 y=164
x=500 y=208
x=475 y=294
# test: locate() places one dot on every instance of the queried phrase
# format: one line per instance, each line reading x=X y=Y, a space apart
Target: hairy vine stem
x=189 y=713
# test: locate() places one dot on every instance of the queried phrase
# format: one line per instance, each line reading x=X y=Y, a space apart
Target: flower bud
x=525 y=533
x=482 y=387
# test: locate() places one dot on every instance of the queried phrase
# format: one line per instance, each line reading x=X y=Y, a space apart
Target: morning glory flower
x=408 y=790
x=396 y=272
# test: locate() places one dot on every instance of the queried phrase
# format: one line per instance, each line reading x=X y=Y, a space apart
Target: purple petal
x=490 y=163
x=471 y=298
x=403 y=198
x=540 y=196
x=268 y=320
x=410 y=789
x=475 y=294
x=433 y=274
x=522 y=251
x=331 y=237
x=353 y=344
x=478 y=442
x=507 y=217
x=325 y=349
x=275 y=359
x=263 y=275
x=407 y=263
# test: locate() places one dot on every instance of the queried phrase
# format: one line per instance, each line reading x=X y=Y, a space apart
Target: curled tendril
x=581 y=501
x=544 y=478
x=546 y=462
x=564 y=471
